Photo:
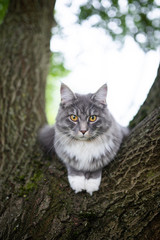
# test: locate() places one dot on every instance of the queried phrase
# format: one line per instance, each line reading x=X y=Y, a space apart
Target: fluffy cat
x=85 y=137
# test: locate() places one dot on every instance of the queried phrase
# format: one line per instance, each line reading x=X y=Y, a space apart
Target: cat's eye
x=74 y=118
x=93 y=118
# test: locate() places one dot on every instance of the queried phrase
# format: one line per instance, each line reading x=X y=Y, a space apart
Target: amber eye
x=74 y=118
x=92 y=118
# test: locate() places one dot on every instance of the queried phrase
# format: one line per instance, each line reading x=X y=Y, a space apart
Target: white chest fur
x=85 y=151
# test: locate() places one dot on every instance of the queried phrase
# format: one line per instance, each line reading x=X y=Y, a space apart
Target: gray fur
x=84 y=154
x=46 y=139
x=74 y=172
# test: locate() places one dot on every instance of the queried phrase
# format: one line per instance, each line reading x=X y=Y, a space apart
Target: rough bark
x=24 y=47
x=24 y=59
x=126 y=206
x=35 y=198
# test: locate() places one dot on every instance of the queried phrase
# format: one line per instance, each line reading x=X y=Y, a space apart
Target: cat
x=85 y=137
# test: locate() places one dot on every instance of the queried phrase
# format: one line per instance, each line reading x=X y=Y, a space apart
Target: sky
x=94 y=59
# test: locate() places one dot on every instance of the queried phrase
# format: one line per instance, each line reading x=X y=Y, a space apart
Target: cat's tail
x=46 y=139
x=125 y=131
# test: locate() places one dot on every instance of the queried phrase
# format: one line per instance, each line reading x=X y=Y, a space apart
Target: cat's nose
x=83 y=131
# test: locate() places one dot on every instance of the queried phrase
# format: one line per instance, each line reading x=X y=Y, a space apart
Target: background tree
x=138 y=19
x=36 y=201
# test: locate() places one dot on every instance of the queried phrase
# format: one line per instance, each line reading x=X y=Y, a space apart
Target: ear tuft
x=66 y=94
x=101 y=94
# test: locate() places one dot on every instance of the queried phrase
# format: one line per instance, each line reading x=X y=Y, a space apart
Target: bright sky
x=94 y=59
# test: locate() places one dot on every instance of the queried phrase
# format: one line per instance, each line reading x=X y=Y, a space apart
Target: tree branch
x=125 y=207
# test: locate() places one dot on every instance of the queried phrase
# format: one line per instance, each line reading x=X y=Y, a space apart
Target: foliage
x=57 y=65
x=139 y=19
x=3 y=9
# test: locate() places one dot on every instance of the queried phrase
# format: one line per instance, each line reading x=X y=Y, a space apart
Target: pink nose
x=83 y=131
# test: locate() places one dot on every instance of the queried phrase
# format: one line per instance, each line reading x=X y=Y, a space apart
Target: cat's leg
x=92 y=181
x=76 y=179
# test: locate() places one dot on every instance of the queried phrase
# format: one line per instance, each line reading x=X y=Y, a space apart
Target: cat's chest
x=85 y=152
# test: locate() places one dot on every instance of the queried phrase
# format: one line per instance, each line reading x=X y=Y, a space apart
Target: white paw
x=92 y=185
x=77 y=183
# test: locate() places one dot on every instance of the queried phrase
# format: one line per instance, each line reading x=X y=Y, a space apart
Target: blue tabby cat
x=85 y=137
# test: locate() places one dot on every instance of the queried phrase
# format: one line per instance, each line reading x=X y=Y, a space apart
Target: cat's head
x=83 y=117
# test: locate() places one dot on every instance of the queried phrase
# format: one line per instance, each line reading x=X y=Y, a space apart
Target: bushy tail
x=46 y=139
x=125 y=131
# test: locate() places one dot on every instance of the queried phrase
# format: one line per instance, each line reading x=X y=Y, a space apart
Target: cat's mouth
x=84 y=138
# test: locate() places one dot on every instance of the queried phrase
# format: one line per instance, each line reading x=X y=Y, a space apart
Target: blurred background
x=104 y=41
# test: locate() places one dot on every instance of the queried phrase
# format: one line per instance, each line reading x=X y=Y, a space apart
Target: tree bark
x=24 y=56
x=36 y=200
x=24 y=47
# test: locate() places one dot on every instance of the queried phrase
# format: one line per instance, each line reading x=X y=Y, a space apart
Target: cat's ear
x=66 y=94
x=101 y=94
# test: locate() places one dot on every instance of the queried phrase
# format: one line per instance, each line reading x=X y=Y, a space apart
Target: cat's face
x=83 y=117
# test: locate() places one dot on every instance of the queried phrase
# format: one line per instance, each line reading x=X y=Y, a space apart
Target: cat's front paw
x=77 y=183
x=92 y=185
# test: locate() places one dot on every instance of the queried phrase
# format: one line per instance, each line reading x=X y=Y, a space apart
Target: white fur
x=80 y=183
x=77 y=183
x=85 y=151
x=92 y=185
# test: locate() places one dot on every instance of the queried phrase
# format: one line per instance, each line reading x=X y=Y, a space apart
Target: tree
x=36 y=200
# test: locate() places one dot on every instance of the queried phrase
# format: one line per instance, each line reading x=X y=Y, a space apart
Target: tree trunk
x=36 y=200
x=24 y=55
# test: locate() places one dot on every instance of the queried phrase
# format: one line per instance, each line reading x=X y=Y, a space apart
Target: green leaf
x=3 y=9
x=135 y=20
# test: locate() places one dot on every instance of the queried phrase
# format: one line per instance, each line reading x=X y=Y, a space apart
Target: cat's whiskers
x=52 y=147
x=64 y=140
x=50 y=150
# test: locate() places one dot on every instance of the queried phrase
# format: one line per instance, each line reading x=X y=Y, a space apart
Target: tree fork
x=36 y=200
x=126 y=206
